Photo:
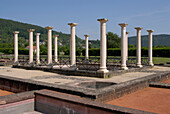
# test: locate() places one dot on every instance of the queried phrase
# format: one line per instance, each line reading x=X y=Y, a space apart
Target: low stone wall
x=51 y=102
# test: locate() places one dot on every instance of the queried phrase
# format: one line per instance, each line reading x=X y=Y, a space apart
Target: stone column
x=31 y=46
x=138 y=52
x=49 y=39
x=55 y=48
x=103 y=47
x=73 y=46
x=15 y=48
x=37 y=48
x=150 y=48
x=127 y=46
x=123 y=46
x=87 y=47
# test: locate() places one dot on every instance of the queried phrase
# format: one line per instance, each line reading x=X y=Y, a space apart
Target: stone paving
x=63 y=79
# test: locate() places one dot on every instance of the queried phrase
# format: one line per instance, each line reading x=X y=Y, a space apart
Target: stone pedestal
x=103 y=47
x=56 y=48
x=127 y=46
x=73 y=46
x=49 y=39
x=138 y=46
x=37 y=48
x=31 y=46
x=150 y=47
x=87 y=47
x=15 y=48
x=123 y=46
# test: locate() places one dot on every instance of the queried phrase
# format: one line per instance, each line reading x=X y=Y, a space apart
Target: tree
x=113 y=40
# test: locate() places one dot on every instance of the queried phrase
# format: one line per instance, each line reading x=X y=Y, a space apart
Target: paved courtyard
x=63 y=79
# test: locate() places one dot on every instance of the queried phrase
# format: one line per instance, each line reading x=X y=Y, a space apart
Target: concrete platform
x=59 y=79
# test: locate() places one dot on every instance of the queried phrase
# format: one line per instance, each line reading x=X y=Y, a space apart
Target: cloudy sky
x=149 y=14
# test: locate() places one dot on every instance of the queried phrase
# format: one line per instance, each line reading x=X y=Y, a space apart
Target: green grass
x=158 y=60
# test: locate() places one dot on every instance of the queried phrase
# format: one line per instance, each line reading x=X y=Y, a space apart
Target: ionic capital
x=56 y=35
x=37 y=34
x=49 y=27
x=16 y=32
x=72 y=24
x=123 y=24
x=150 y=31
x=86 y=35
x=138 y=28
x=102 y=20
x=31 y=30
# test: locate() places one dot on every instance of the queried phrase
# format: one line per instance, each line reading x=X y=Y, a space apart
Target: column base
x=56 y=60
x=50 y=65
x=16 y=64
x=31 y=64
x=151 y=64
x=73 y=68
x=103 y=70
x=139 y=66
x=124 y=68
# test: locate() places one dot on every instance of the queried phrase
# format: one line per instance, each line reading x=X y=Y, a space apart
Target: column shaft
x=127 y=46
x=73 y=46
x=37 y=49
x=123 y=46
x=87 y=47
x=49 y=45
x=31 y=46
x=138 y=51
x=56 y=48
x=150 y=48
x=103 y=47
x=16 y=48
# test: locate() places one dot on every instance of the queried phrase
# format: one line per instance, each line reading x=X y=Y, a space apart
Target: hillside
x=8 y=26
x=158 y=40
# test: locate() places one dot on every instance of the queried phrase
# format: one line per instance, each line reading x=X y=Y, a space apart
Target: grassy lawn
x=157 y=60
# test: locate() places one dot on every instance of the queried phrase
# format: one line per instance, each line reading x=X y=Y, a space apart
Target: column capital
x=49 y=27
x=37 y=34
x=123 y=24
x=72 y=24
x=127 y=32
x=56 y=35
x=31 y=30
x=102 y=20
x=16 y=32
x=150 y=31
x=138 y=28
x=86 y=35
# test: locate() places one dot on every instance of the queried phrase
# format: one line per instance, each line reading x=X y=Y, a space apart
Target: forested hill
x=158 y=40
x=8 y=26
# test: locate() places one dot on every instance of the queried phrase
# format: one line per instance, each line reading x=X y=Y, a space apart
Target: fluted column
x=55 y=48
x=103 y=47
x=150 y=47
x=123 y=46
x=31 y=46
x=87 y=47
x=16 y=47
x=37 y=48
x=138 y=60
x=73 y=45
x=49 y=45
x=127 y=46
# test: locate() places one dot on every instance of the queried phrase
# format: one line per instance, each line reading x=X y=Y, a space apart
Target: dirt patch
x=149 y=99
x=166 y=81
x=3 y=92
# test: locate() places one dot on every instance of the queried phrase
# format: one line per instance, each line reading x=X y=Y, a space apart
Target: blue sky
x=149 y=14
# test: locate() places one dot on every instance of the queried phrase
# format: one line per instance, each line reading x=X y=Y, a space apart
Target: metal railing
x=93 y=63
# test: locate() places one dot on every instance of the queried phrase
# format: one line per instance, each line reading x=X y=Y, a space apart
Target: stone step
x=32 y=112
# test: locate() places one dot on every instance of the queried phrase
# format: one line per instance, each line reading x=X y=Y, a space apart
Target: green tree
x=113 y=40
